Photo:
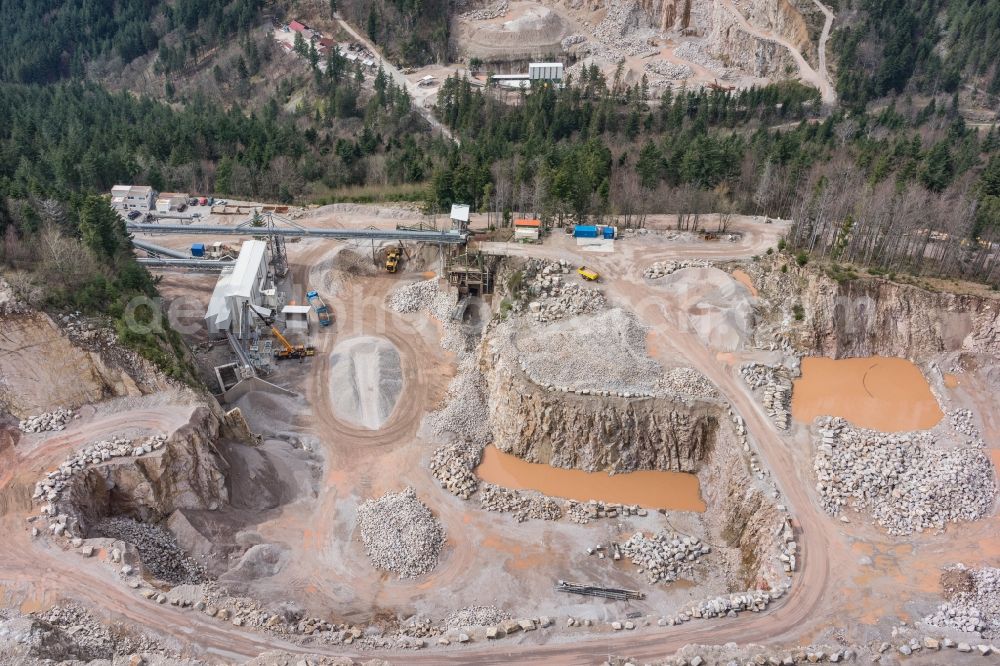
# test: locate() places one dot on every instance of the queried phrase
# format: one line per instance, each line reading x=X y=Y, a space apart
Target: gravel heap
x=605 y=354
x=50 y=488
x=465 y=415
x=414 y=296
x=664 y=556
x=157 y=547
x=664 y=268
x=902 y=479
x=671 y=70
x=686 y=381
x=91 y=639
x=695 y=52
x=453 y=465
x=55 y=420
x=522 y=505
x=572 y=40
x=974 y=601
x=961 y=422
x=426 y=296
x=476 y=616
x=776 y=383
x=400 y=533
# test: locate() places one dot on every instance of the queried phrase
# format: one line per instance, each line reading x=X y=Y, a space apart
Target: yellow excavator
x=288 y=350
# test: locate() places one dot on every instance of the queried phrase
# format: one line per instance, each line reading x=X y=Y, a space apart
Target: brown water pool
x=677 y=491
x=886 y=394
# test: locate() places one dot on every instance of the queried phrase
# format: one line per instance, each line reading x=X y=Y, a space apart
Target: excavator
x=288 y=350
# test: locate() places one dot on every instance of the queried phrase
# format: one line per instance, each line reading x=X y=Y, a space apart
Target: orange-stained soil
x=745 y=280
x=886 y=394
x=677 y=491
x=951 y=381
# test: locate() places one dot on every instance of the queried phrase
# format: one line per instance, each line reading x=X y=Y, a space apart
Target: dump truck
x=392 y=259
x=588 y=274
x=322 y=312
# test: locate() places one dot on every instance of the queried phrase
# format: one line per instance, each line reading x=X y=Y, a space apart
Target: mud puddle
x=676 y=491
x=885 y=394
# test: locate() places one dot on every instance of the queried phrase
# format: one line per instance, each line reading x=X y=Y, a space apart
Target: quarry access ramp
x=435 y=237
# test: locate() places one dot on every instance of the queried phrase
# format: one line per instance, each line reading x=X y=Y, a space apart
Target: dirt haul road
x=830 y=589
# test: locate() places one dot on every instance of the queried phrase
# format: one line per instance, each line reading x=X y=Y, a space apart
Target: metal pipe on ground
x=206 y=265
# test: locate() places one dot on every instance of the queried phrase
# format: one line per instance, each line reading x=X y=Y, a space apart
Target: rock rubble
x=973 y=601
x=664 y=556
x=400 y=533
x=476 y=616
x=453 y=466
x=552 y=293
x=905 y=481
x=664 y=268
x=49 y=421
x=523 y=505
x=775 y=383
x=157 y=547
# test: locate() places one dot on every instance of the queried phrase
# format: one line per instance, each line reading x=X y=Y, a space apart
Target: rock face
x=590 y=433
x=187 y=473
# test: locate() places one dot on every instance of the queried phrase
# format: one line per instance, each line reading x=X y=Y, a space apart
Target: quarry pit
x=418 y=488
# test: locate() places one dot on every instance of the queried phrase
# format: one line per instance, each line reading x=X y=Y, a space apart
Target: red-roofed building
x=325 y=44
x=527 y=229
x=296 y=26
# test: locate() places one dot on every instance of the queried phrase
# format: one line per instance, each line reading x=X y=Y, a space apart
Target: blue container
x=585 y=231
x=198 y=250
x=609 y=233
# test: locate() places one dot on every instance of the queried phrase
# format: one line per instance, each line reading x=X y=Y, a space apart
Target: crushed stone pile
x=49 y=421
x=453 y=466
x=961 y=422
x=523 y=506
x=664 y=556
x=414 y=297
x=902 y=479
x=621 y=30
x=495 y=10
x=401 y=534
x=465 y=415
x=426 y=297
x=693 y=51
x=664 y=268
x=606 y=353
x=584 y=512
x=572 y=40
x=157 y=547
x=476 y=616
x=775 y=383
x=973 y=601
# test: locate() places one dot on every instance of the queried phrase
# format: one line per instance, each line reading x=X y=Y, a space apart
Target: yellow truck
x=588 y=274
x=392 y=259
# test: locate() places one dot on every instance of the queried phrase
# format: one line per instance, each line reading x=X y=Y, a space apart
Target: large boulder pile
x=663 y=556
x=903 y=480
x=55 y=420
x=664 y=268
x=522 y=505
x=401 y=534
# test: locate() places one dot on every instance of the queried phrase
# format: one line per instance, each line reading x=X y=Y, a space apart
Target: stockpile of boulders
x=572 y=40
x=464 y=415
x=584 y=512
x=522 y=505
x=55 y=420
x=485 y=14
x=400 y=533
x=725 y=606
x=664 y=556
x=476 y=616
x=414 y=297
x=686 y=382
x=973 y=601
x=552 y=293
x=775 y=383
x=621 y=30
x=91 y=639
x=664 y=268
x=453 y=465
x=157 y=547
x=902 y=479
x=671 y=70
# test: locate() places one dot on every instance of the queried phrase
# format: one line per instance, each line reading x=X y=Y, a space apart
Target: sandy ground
x=852 y=577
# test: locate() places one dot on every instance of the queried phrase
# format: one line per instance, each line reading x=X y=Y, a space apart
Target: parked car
x=196 y=215
x=221 y=202
x=193 y=201
x=132 y=214
x=203 y=201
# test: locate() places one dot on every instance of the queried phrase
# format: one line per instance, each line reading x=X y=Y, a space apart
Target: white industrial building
x=131 y=197
x=546 y=72
x=459 y=216
x=246 y=282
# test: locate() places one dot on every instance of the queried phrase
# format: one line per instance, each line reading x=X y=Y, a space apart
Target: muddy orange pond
x=886 y=394
x=677 y=491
